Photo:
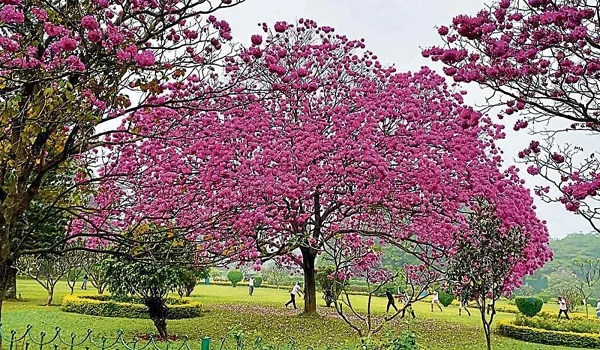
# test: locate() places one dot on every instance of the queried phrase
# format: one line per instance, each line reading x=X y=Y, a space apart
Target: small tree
x=46 y=270
x=482 y=266
x=235 y=277
x=151 y=281
x=588 y=273
x=188 y=281
x=77 y=259
x=330 y=285
x=563 y=282
x=154 y=267
x=274 y=274
x=95 y=269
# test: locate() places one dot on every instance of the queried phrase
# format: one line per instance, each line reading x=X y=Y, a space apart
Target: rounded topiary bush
x=257 y=281
x=126 y=307
x=446 y=298
x=235 y=277
x=529 y=306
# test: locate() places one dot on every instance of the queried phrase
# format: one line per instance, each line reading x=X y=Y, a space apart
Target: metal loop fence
x=57 y=340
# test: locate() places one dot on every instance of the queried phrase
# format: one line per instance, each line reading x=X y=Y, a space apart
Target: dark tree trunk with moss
x=309 y=256
x=11 y=292
x=157 y=309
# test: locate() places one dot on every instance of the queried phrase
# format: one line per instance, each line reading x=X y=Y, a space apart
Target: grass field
x=232 y=309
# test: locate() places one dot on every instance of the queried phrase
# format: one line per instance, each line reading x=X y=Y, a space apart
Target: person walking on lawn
x=391 y=302
x=435 y=299
x=563 y=307
x=295 y=291
x=251 y=286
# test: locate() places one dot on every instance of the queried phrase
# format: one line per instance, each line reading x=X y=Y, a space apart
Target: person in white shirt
x=435 y=300
x=564 y=308
x=251 y=286
x=295 y=291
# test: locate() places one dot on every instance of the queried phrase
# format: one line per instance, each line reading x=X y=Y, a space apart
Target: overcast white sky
x=394 y=30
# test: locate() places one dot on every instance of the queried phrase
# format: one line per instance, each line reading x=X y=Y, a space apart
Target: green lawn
x=232 y=309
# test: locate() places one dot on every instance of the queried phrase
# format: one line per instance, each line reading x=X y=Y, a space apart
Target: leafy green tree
x=274 y=274
x=44 y=222
x=151 y=281
x=156 y=265
x=189 y=279
x=330 y=287
x=235 y=277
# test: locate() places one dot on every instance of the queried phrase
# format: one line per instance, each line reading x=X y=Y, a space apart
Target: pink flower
x=89 y=23
x=281 y=27
x=256 y=40
x=145 y=58
x=327 y=29
x=443 y=30
x=64 y=44
x=533 y=170
x=40 y=14
x=10 y=14
x=558 y=158
x=94 y=36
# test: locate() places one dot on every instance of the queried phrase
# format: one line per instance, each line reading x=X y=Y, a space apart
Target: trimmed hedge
x=106 y=307
x=529 y=306
x=542 y=336
x=552 y=323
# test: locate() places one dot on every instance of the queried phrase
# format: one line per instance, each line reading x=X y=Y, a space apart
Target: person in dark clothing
x=391 y=302
x=84 y=283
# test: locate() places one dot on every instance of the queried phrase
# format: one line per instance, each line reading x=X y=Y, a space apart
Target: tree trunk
x=488 y=339
x=50 y=296
x=11 y=293
x=100 y=288
x=309 y=256
x=158 y=314
x=486 y=325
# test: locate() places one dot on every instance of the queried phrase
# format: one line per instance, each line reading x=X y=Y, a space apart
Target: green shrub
x=542 y=336
x=529 y=306
x=106 y=307
x=257 y=281
x=446 y=298
x=552 y=323
x=592 y=302
x=235 y=277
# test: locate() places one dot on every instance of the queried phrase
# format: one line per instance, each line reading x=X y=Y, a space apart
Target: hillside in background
x=566 y=251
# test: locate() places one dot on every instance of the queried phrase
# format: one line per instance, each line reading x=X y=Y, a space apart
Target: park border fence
x=29 y=340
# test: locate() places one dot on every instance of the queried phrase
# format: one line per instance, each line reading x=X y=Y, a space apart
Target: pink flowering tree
x=69 y=69
x=542 y=59
x=320 y=140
